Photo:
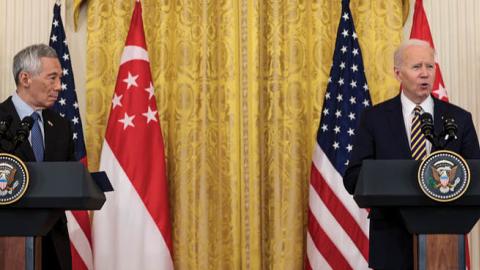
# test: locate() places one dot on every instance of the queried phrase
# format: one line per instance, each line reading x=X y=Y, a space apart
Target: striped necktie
x=417 y=142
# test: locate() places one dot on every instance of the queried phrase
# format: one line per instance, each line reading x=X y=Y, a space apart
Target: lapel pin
x=50 y=123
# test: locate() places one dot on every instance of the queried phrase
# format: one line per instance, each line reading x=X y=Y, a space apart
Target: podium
x=54 y=187
x=393 y=183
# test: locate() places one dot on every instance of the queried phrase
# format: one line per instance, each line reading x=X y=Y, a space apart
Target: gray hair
x=398 y=55
x=28 y=59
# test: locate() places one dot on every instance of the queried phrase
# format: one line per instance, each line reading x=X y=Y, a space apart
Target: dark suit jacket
x=381 y=135
x=58 y=147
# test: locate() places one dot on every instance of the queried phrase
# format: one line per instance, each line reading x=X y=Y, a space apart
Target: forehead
x=417 y=53
x=49 y=63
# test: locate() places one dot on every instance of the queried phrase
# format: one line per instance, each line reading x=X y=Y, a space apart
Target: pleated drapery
x=239 y=86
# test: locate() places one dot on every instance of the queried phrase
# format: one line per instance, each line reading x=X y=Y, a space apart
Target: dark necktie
x=417 y=142
x=37 y=138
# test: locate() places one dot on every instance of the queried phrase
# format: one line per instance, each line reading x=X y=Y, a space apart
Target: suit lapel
x=397 y=127
x=439 y=111
x=50 y=134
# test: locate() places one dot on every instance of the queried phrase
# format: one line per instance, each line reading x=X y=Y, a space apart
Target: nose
x=424 y=72
x=58 y=85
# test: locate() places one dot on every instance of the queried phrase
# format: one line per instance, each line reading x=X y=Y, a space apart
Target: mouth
x=425 y=86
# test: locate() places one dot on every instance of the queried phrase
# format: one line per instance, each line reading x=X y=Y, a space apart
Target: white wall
x=25 y=22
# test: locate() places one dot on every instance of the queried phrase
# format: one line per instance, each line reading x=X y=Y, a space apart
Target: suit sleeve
x=363 y=148
x=469 y=145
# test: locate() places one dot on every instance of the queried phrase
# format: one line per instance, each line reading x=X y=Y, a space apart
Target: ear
x=396 y=70
x=24 y=79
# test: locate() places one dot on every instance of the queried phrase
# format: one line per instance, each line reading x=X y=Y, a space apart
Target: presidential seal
x=14 y=179
x=444 y=176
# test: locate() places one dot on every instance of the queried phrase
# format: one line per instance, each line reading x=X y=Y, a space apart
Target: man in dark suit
x=384 y=133
x=37 y=74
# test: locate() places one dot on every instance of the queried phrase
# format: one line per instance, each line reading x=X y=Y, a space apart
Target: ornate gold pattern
x=245 y=131
x=239 y=87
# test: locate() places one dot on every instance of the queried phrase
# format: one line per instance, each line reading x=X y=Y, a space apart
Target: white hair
x=398 y=55
x=28 y=59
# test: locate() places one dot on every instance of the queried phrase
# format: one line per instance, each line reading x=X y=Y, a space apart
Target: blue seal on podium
x=444 y=176
x=14 y=179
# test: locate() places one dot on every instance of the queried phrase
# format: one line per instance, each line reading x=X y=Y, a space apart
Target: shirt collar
x=408 y=105
x=22 y=108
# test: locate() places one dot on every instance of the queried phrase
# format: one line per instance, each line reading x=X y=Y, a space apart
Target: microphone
x=5 y=123
x=450 y=128
x=22 y=132
x=426 y=124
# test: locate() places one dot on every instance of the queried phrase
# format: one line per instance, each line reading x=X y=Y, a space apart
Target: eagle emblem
x=14 y=179
x=7 y=176
x=444 y=176
x=444 y=173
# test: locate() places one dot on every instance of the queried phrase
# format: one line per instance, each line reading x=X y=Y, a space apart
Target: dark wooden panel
x=442 y=252
x=12 y=253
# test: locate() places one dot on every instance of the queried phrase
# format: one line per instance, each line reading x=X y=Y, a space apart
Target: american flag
x=337 y=236
x=67 y=105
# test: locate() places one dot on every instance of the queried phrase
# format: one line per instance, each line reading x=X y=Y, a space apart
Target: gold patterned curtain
x=239 y=86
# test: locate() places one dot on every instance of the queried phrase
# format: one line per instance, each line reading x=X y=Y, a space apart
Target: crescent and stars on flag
x=131 y=81
x=137 y=170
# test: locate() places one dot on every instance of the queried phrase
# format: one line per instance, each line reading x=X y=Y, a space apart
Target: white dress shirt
x=407 y=110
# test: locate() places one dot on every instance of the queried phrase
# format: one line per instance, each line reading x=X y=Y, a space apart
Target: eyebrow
x=53 y=73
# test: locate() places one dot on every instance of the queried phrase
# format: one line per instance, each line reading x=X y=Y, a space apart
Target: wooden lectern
x=54 y=187
x=393 y=183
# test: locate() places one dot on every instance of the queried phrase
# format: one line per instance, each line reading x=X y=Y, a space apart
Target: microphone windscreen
x=426 y=117
x=7 y=118
x=5 y=122
x=27 y=122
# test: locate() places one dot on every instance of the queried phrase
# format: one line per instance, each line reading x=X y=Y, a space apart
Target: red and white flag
x=421 y=30
x=132 y=230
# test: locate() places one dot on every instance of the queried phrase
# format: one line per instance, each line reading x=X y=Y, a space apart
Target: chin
x=425 y=93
